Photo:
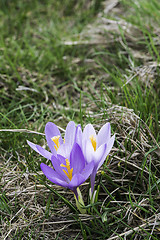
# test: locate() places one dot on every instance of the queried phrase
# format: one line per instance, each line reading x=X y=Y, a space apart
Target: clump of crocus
x=95 y=147
x=70 y=167
x=76 y=157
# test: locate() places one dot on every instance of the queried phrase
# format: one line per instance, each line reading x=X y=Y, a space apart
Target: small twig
x=63 y=222
x=128 y=232
x=139 y=228
x=26 y=131
x=21 y=130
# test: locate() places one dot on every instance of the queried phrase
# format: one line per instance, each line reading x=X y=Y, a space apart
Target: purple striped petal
x=52 y=175
x=88 y=170
x=77 y=161
x=56 y=162
x=70 y=133
x=52 y=130
x=40 y=150
x=76 y=181
x=104 y=134
x=61 y=159
x=92 y=178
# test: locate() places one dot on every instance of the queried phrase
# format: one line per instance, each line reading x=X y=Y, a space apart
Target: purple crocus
x=70 y=168
x=69 y=172
x=55 y=142
x=95 y=147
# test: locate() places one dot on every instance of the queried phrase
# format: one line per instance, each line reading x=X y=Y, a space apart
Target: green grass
x=70 y=60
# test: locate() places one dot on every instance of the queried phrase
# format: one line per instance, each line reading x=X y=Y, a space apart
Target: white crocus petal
x=108 y=149
x=78 y=136
x=88 y=132
x=70 y=133
x=88 y=151
x=64 y=150
x=99 y=153
x=104 y=134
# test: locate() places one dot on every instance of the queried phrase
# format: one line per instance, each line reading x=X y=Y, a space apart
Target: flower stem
x=79 y=201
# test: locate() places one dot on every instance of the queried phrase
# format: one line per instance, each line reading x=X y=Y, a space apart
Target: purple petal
x=44 y=152
x=52 y=175
x=61 y=159
x=78 y=135
x=52 y=130
x=56 y=162
x=104 y=134
x=70 y=133
x=89 y=131
x=77 y=180
x=92 y=178
x=40 y=150
x=108 y=149
x=77 y=161
x=88 y=170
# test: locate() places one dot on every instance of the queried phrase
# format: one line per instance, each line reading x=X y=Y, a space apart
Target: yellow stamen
x=55 y=139
x=70 y=171
x=93 y=141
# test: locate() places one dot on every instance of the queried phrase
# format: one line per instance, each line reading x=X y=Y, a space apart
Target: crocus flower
x=55 y=142
x=69 y=172
x=95 y=147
